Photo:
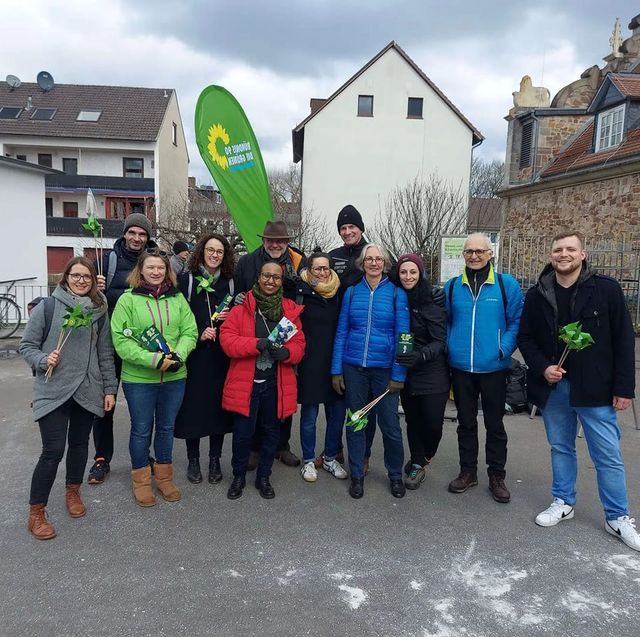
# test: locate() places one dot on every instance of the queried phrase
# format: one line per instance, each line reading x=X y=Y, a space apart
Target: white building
x=126 y=144
x=385 y=126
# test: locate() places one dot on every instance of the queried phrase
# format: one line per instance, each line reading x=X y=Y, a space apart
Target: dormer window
x=610 y=127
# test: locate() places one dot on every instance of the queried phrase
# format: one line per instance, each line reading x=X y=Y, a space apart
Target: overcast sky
x=274 y=56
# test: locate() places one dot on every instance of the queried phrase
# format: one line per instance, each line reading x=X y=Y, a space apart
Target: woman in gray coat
x=81 y=385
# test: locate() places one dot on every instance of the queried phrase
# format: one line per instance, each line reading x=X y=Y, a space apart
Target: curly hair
x=135 y=278
x=228 y=264
x=93 y=293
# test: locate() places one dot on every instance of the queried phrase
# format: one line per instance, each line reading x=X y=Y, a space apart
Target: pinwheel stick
x=209 y=305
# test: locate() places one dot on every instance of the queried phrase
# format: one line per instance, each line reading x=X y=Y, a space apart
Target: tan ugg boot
x=142 y=491
x=39 y=526
x=74 y=503
x=163 y=473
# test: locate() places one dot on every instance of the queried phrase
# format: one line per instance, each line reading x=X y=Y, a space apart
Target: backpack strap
x=232 y=286
x=49 y=306
x=504 y=295
x=111 y=268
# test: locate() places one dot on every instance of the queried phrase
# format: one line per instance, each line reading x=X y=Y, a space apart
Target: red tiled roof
x=627 y=84
x=127 y=112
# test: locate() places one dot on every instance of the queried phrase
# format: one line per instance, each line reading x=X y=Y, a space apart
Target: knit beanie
x=413 y=258
x=350 y=214
x=180 y=246
x=137 y=220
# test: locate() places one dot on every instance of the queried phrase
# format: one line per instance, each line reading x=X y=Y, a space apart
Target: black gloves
x=410 y=359
x=262 y=344
x=278 y=353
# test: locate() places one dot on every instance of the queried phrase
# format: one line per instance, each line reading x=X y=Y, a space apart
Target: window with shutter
x=526 y=144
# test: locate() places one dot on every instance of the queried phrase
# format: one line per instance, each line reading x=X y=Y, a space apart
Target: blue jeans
x=149 y=401
x=602 y=435
x=334 y=414
x=263 y=407
x=361 y=383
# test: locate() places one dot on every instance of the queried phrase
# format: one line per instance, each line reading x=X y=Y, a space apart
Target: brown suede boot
x=39 y=526
x=163 y=473
x=142 y=491
x=74 y=503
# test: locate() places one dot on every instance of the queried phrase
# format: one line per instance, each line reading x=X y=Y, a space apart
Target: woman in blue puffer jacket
x=374 y=312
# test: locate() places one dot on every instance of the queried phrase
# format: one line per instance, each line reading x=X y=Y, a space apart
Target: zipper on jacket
x=366 y=340
x=499 y=343
x=473 y=320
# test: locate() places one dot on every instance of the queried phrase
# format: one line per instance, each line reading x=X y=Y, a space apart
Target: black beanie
x=180 y=246
x=350 y=214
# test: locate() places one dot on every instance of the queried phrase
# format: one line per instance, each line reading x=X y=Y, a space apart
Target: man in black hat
x=179 y=257
x=351 y=229
x=275 y=247
x=116 y=266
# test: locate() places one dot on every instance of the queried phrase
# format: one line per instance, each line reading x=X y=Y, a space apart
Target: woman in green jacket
x=153 y=332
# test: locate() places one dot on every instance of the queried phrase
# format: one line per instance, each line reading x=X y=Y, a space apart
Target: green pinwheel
x=73 y=319
x=93 y=226
x=205 y=284
x=574 y=339
x=359 y=419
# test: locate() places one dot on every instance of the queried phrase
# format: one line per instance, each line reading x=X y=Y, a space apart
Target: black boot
x=215 y=471
x=264 y=486
x=356 y=489
x=235 y=490
x=194 y=475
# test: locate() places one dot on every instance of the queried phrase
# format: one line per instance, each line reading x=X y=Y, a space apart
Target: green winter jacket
x=170 y=313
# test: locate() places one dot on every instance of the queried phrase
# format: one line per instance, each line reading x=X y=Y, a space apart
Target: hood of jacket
x=546 y=282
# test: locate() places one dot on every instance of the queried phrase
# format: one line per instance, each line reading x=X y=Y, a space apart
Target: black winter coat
x=344 y=264
x=201 y=413
x=319 y=321
x=429 y=327
x=249 y=266
x=599 y=372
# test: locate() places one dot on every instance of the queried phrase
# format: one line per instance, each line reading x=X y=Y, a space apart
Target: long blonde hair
x=135 y=278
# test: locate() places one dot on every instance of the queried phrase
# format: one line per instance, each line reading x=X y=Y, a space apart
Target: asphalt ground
x=312 y=561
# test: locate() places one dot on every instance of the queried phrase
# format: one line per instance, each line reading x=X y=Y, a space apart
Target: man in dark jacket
x=351 y=229
x=591 y=385
x=116 y=267
x=275 y=247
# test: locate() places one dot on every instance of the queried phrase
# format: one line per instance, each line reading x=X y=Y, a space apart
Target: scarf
x=269 y=305
x=420 y=294
x=206 y=274
x=326 y=290
x=156 y=290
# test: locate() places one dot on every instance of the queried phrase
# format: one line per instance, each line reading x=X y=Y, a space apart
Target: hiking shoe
x=625 y=529
x=499 y=489
x=308 y=471
x=557 y=512
x=464 y=481
x=335 y=469
x=415 y=477
x=287 y=457
x=98 y=471
x=397 y=488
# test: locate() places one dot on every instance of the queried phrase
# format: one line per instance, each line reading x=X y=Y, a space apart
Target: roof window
x=10 y=112
x=88 y=116
x=43 y=114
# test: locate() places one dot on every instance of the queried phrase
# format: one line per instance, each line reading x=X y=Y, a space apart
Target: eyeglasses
x=321 y=268
x=470 y=253
x=265 y=276
x=214 y=251
x=373 y=260
x=79 y=277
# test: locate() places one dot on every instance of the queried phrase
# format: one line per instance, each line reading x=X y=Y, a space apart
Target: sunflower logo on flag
x=217 y=132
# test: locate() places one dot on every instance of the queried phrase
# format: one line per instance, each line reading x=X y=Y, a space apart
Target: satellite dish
x=45 y=81
x=13 y=81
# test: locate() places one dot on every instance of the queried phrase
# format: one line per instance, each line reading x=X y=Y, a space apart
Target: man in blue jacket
x=483 y=313
x=591 y=384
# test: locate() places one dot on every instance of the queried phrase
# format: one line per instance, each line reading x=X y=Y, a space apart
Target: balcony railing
x=98 y=183
x=72 y=227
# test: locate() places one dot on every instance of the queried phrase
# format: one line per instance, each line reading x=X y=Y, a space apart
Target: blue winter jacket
x=368 y=328
x=479 y=339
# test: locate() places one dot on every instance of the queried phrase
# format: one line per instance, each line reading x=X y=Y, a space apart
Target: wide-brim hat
x=275 y=230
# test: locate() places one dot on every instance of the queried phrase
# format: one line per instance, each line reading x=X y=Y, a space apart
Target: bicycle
x=10 y=313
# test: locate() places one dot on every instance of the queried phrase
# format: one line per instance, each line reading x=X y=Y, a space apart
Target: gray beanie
x=138 y=220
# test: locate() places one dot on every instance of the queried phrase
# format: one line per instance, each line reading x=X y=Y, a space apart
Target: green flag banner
x=229 y=149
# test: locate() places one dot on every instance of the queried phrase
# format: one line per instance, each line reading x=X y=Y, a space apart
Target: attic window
x=365 y=105
x=88 y=116
x=609 y=131
x=43 y=114
x=414 y=108
x=10 y=112
x=525 y=144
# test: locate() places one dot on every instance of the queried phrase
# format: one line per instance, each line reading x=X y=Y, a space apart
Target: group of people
x=197 y=358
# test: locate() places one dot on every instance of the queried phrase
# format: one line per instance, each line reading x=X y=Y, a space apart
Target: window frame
x=74 y=212
x=79 y=117
x=610 y=112
x=362 y=113
x=18 y=113
x=67 y=159
x=409 y=115
x=42 y=109
x=125 y=171
x=49 y=155
x=174 y=133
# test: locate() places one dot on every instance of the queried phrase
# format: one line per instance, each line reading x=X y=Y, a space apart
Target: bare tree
x=416 y=216
x=486 y=177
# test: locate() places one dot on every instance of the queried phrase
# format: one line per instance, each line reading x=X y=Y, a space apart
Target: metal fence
x=525 y=257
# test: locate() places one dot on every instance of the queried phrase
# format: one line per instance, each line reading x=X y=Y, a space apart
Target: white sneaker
x=308 y=471
x=557 y=512
x=625 y=529
x=335 y=469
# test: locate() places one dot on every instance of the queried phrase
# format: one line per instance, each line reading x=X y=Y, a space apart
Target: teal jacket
x=170 y=313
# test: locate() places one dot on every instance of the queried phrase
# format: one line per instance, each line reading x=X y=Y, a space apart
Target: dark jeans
x=424 y=416
x=283 y=438
x=74 y=420
x=149 y=403
x=264 y=406
x=215 y=446
x=361 y=383
x=103 y=427
x=492 y=390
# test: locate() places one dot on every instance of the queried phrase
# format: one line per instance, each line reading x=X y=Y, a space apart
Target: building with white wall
x=126 y=144
x=384 y=127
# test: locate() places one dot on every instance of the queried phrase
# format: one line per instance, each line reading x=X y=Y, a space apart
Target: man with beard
x=275 y=247
x=116 y=267
x=592 y=384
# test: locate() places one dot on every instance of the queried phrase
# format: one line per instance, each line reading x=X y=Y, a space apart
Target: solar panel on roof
x=10 y=112
x=43 y=114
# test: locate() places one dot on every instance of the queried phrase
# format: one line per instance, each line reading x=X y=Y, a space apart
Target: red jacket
x=238 y=340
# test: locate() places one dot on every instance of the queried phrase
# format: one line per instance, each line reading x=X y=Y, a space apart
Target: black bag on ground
x=516 y=398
